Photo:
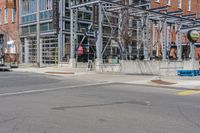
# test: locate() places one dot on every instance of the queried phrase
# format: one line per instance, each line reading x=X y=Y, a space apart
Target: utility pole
x=38 y=34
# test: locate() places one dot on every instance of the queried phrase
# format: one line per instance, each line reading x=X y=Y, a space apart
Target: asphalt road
x=33 y=103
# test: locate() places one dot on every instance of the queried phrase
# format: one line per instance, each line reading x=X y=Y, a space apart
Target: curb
x=60 y=73
x=163 y=86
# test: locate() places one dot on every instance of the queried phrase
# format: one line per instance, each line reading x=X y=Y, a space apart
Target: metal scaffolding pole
x=38 y=35
x=99 y=43
x=138 y=39
x=192 y=55
x=143 y=36
x=156 y=38
x=120 y=32
x=164 y=48
x=170 y=36
x=180 y=47
x=161 y=34
x=178 y=41
x=60 y=32
x=73 y=35
x=153 y=39
x=147 y=42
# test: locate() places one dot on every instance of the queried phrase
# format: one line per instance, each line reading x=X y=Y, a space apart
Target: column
x=99 y=43
x=26 y=51
x=161 y=36
x=60 y=32
x=38 y=35
x=73 y=35
x=138 y=39
x=147 y=39
x=178 y=41
x=164 y=47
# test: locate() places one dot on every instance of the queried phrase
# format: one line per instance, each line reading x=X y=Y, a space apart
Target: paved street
x=36 y=103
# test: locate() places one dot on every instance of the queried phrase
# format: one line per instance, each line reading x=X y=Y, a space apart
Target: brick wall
x=10 y=30
x=195 y=4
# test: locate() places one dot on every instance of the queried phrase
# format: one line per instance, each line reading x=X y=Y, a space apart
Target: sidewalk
x=45 y=70
x=151 y=80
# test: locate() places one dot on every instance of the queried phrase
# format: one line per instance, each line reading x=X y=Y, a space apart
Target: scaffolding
x=133 y=27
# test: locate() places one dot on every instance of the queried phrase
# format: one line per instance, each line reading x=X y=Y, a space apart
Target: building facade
x=185 y=8
x=55 y=45
x=9 y=29
x=121 y=38
x=28 y=32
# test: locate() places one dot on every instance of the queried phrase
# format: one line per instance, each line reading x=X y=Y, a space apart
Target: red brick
x=10 y=29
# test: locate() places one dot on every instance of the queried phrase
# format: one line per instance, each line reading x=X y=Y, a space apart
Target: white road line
x=50 y=89
x=20 y=76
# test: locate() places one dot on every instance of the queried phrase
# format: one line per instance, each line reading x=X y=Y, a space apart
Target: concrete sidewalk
x=44 y=70
x=54 y=70
x=151 y=80
x=171 y=82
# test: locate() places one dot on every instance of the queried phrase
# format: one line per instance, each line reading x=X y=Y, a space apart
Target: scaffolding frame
x=145 y=18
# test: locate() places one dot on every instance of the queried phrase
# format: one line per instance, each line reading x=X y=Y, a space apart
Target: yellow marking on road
x=188 y=92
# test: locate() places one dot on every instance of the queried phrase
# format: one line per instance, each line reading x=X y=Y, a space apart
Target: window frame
x=6 y=16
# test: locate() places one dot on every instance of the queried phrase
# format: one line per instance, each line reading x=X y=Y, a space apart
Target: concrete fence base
x=156 y=67
x=148 y=67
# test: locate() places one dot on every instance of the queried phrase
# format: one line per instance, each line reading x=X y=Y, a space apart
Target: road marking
x=188 y=92
x=19 y=76
x=51 y=89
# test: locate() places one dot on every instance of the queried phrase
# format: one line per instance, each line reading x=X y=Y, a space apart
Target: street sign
x=193 y=35
x=11 y=4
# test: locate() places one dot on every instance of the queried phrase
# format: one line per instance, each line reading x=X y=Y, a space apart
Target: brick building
x=188 y=7
x=9 y=29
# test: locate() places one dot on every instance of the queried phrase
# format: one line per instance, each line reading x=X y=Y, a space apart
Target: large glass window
x=49 y=4
x=45 y=4
x=44 y=27
x=50 y=26
x=13 y=15
x=6 y=15
x=179 y=4
x=189 y=5
x=32 y=28
x=168 y=2
x=24 y=30
x=0 y=16
x=32 y=6
x=25 y=7
x=42 y=4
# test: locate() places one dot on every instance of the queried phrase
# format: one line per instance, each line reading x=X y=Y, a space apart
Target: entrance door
x=1 y=41
x=1 y=48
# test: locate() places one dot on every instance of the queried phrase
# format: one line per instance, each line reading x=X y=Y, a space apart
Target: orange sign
x=10 y=3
